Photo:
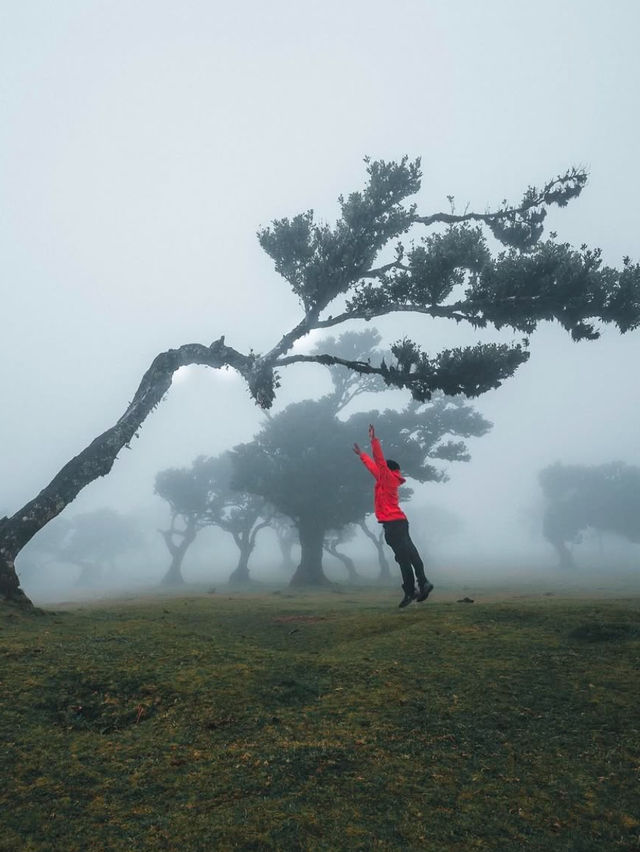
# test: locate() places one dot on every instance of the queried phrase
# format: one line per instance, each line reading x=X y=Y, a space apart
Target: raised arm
x=376 y=449
x=368 y=462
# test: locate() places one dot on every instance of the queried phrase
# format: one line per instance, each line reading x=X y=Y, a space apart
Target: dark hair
x=393 y=465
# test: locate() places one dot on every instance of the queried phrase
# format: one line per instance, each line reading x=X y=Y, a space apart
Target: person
x=394 y=521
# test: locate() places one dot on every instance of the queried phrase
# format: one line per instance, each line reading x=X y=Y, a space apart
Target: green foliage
x=320 y=262
x=421 y=433
x=450 y=273
x=430 y=273
x=301 y=461
x=353 y=346
x=321 y=722
x=554 y=282
x=190 y=492
x=470 y=370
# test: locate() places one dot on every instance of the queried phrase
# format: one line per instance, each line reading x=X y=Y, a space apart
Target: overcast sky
x=143 y=143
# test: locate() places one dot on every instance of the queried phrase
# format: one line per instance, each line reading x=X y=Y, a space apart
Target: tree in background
x=203 y=496
x=335 y=539
x=92 y=541
x=362 y=265
x=239 y=513
x=414 y=435
x=578 y=497
x=379 y=543
x=43 y=549
x=287 y=538
x=301 y=462
x=191 y=497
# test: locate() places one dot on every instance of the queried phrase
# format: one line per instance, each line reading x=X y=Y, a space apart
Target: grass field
x=333 y=721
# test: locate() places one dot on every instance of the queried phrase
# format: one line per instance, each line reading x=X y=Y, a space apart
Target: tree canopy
x=578 y=497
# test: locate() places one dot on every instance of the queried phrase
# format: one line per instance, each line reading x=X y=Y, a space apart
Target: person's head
x=393 y=465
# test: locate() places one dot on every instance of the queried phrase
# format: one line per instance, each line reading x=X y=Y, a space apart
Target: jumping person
x=394 y=521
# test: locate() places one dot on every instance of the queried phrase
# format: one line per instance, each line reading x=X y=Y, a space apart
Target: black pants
x=396 y=534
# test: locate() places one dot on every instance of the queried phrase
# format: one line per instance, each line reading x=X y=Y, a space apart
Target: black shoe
x=406 y=600
x=424 y=592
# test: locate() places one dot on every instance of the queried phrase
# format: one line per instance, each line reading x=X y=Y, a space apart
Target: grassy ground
x=331 y=721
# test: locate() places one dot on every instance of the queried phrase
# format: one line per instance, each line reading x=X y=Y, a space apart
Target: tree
x=203 y=496
x=301 y=462
x=450 y=274
x=239 y=513
x=287 y=537
x=333 y=540
x=416 y=434
x=297 y=462
x=92 y=541
x=601 y=497
x=192 y=497
x=378 y=542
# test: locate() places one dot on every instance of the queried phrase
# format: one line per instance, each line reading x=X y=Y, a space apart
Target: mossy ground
x=303 y=721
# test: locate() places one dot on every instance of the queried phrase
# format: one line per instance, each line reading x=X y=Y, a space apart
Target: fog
x=142 y=146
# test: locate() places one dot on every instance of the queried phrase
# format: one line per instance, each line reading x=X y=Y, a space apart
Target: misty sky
x=142 y=145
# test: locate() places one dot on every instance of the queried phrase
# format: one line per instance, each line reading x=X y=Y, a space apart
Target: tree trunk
x=385 y=574
x=347 y=561
x=566 y=560
x=174 y=577
x=309 y=572
x=286 y=543
x=240 y=575
x=9 y=583
x=97 y=459
x=378 y=543
x=288 y=564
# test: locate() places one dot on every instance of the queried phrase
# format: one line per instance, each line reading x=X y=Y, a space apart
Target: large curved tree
x=450 y=274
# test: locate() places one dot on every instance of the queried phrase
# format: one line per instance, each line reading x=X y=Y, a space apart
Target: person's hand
x=357 y=450
x=372 y=432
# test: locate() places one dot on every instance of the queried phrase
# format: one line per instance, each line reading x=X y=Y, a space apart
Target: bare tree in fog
x=450 y=275
x=92 y=542
x=603 y=497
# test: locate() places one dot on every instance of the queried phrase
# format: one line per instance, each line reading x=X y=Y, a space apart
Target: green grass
x=329 y=721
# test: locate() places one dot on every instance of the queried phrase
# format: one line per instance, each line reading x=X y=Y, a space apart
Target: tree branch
x=382 y=270
x=453 y=311
x=256 y=530
x=98 y=457
x=556 y=191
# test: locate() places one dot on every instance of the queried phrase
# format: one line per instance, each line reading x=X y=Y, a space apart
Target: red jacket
x=385 y=495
